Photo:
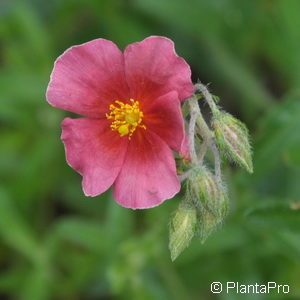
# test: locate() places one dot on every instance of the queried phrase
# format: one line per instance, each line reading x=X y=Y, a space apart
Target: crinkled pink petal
x=164 y=117
x=153 y=69
x=87 y=78
x=95 y=151
x=148 y=176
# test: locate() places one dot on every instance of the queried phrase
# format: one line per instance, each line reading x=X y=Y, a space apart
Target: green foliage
x=57 y=244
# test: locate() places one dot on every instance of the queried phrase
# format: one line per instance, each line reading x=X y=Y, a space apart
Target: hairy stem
x=217 y=158
x=207 y=96
x=191 y=135
x=203 y=129
x=202 y=151
x=185 y=175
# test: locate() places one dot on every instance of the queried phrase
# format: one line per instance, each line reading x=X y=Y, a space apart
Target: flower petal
x=148 y=176
x=95 y=151
x=153 y=69
x=164 y=117
x=185 y=149
x=87 y=78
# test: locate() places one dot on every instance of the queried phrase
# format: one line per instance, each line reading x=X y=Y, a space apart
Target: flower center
x=127 y=117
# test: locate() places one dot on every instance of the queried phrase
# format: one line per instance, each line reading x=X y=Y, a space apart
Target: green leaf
x=292 y=154
x=15 y=231
x=85 y=233
x=276 y=215
x=278 y=134
x=37 y=285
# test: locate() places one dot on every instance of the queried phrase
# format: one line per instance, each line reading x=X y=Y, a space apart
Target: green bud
x=203 y=189
x=210 y=198
x=206 y=192
x=208 y=220
x=182 y=229
x=233 y=139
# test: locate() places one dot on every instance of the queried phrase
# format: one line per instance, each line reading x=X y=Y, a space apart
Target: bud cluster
x=200 y=213
x=205 y=204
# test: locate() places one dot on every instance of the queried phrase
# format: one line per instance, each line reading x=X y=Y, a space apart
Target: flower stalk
x=206 y=133
x=199 y=87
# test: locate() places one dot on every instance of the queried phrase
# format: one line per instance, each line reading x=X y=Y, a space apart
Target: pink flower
x=131 y=102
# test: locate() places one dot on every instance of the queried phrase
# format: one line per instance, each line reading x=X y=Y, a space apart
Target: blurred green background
x=57 y=244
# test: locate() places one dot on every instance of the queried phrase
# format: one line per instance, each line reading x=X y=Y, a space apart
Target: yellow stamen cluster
x=127 y=117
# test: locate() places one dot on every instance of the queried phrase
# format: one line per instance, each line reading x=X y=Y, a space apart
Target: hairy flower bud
x=233 y=139
x=209 y=220
x=210 y=198
x=182 y=228
x=205 y=191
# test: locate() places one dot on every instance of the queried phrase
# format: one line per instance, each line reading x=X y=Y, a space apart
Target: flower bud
x=233 y=139
x=206 y=192
x=209 y=220
x=182 y=228
x=210 y=198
